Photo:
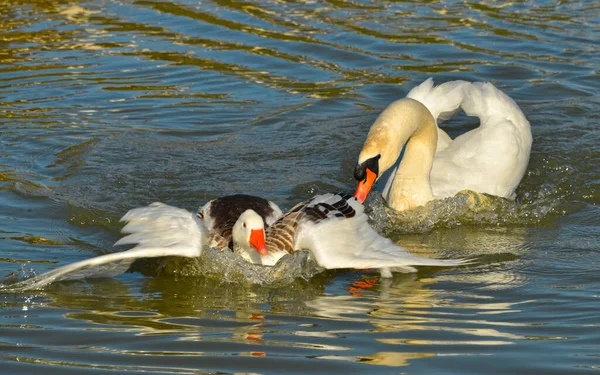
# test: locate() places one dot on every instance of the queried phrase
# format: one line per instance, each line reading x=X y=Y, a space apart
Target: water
x=111 y=105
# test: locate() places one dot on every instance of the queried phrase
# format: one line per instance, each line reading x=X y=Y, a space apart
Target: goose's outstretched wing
x=158 y=230
x=340 y=237
x=160 y=226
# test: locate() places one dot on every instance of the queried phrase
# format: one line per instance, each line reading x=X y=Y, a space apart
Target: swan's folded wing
x=158 y=230
x=444 y=100
x=352 y=243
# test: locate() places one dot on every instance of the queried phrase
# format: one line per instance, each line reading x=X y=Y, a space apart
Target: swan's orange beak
x=257 y=241
x=364 y=187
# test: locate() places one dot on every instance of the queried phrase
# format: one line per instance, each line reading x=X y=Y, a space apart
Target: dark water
x=109 y=105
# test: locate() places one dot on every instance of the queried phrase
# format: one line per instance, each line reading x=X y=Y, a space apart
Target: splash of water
x=465 y=208
x=225 y=266
x=221 y=265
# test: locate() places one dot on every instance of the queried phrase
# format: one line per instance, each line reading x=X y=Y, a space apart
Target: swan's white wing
x=491 y=105
x=490 y=159
x=349 y=242
x=444 y=100
x=158 y=230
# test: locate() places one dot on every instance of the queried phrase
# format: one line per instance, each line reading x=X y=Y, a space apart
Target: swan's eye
x=360 y=171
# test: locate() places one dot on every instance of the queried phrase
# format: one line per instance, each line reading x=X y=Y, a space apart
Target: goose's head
x=249 y=235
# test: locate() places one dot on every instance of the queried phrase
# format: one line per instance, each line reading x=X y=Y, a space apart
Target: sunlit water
x=107 y=106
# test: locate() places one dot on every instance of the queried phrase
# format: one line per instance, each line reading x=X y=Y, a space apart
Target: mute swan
x=490 y=159
x=332 y=226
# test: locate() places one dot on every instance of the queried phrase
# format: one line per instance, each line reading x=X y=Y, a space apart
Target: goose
x=333 y=227
x=491 y=158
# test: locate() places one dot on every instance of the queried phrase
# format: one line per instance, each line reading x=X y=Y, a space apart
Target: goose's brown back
x=282 y=235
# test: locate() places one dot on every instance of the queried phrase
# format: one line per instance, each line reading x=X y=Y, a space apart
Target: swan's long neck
x=409 y=122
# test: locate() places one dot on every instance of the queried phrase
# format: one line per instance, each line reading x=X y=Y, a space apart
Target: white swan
x=490 y=159
x=332 y=226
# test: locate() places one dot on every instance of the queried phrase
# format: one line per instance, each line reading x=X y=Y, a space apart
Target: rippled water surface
x=109 y=105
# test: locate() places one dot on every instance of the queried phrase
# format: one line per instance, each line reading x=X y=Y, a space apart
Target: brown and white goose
x=332 y=226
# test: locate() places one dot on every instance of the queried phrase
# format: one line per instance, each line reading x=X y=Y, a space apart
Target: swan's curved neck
x=409 y=122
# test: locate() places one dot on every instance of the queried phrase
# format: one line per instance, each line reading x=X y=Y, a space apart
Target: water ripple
x=109 y=105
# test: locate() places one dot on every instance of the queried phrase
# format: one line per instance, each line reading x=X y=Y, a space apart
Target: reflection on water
x=200 y=317
x=106 y=106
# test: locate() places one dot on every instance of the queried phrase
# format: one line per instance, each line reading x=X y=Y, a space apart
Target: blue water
x=110 y=105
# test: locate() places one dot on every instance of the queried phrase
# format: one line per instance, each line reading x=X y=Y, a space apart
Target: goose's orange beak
x=257 y=241
x=364 y=186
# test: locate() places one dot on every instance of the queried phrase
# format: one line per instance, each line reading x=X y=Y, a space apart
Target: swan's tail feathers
x=485 y=101
x=444 y=100
x=352 y=243
x=158 y=230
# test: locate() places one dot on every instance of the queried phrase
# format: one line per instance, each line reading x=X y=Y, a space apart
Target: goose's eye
x=244 y=225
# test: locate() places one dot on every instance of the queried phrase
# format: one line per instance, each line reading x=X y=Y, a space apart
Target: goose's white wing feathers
x=158 y=230
x=162 y=226
x=343 y=241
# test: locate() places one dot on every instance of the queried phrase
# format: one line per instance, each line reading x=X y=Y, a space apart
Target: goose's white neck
x=406 y=121
x=246 y=252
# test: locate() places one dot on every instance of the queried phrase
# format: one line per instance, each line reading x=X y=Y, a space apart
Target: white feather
x=444 y=100
x=158 y=230
x=352 y=243
x=489 y=159
x=162 y=226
